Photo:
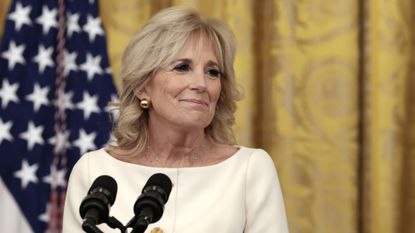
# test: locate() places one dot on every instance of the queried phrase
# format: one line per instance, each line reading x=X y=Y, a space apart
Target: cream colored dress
x=239 y=194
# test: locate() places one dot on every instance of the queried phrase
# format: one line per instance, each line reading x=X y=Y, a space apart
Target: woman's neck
x=175 y=147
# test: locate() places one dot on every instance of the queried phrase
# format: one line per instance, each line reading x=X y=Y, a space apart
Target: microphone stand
x=90 y=228
x=139 y=225
x=112 y=222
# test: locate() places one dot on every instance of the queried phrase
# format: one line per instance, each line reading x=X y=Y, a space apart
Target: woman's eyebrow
x=212 y=63
x=190 y=61
x=186 y=60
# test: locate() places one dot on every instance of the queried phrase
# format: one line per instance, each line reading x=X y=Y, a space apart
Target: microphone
x=149 y=206
x=95 y=207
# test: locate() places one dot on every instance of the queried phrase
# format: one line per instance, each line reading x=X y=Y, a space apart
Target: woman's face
x=185 y=93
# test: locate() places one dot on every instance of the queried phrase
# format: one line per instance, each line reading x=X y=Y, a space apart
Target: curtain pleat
x=388 y=197
x=312 y=134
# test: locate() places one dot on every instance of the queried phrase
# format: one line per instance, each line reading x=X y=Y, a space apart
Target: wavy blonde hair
x=156 y=46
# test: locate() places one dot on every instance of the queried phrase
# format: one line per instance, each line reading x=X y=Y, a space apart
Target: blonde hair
x=154 y=47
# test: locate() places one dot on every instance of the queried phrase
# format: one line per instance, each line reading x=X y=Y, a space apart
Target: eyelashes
x=212 y=72
x=182 y=68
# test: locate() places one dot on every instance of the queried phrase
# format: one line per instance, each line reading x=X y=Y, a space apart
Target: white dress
x=239 y=194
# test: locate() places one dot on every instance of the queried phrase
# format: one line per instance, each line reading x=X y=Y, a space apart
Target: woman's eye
x=182 y=68
x=213 y=72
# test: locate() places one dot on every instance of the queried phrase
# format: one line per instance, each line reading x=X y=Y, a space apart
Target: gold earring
x=144 y=103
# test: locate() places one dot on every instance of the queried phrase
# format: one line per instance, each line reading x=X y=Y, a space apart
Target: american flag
x=55 y=83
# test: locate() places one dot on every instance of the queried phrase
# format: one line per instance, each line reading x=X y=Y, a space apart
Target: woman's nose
x=199 y=81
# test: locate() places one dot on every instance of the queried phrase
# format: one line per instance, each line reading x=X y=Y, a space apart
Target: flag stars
x=89 y=105
x=33 y=135
x=45 y=216
x=27 y=174
x=69 y=59
x=60 y=141
x=47 y=19
x=14 y=55
x=5 y=131
x=56 y=178
x=85 y=142
x=92 y=66
x=8 y=93
x=93 y=27
x=44 y=58
x=38 y=97
x=64 y=101
x=20 y=16
x=28 y=98
x=72 y=24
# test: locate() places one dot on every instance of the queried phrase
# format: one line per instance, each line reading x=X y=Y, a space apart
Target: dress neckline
x=219 y=164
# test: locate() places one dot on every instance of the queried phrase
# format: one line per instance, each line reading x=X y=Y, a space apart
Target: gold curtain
x=328 y=93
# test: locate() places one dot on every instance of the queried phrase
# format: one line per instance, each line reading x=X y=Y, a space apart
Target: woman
x=175 y=117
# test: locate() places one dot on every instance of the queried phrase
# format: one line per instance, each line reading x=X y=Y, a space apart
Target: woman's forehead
x=199 y=47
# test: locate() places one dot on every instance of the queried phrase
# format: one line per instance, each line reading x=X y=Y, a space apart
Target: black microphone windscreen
x=108 y=183
x=160 y=180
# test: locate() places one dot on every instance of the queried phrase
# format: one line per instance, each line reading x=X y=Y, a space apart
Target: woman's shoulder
x=256 y=158
x=94 y=154
x=90 y=157
x=254 y=153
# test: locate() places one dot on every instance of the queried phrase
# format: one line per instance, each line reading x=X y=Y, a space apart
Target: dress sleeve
x=77 y=189
x=265 y=211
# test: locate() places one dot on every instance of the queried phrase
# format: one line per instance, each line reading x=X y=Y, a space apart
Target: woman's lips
x=195 y=101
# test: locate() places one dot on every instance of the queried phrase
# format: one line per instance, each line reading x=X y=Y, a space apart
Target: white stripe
x=11 y=218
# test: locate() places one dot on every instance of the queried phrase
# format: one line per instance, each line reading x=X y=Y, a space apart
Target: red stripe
x=57 y=197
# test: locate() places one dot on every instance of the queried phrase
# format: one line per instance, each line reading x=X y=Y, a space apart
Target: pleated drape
x=329 y=93
x=389 y=159
x=309 y=60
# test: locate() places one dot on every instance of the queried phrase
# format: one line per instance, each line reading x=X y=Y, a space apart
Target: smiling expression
x=185 y=93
